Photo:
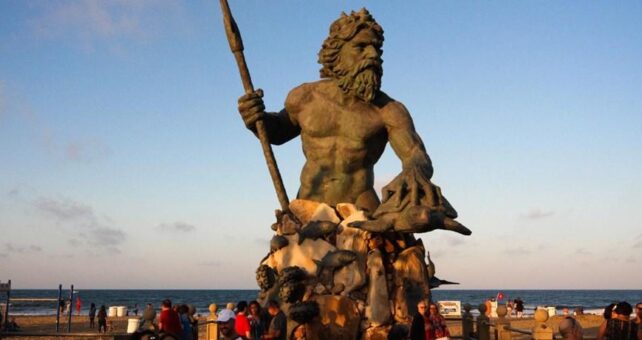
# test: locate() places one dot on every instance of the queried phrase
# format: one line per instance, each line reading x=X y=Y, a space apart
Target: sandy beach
x=46 y=324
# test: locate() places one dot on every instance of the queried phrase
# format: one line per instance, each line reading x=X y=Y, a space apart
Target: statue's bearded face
x=358 y=68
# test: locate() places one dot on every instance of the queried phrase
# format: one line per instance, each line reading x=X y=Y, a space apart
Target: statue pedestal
x=361 y=282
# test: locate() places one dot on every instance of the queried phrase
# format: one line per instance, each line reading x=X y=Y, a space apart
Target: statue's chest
x=339 y=122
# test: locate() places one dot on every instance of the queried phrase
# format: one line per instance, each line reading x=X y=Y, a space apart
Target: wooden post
x=501 y=333
x=541 y=330
x=6 y=287
x=467 y=322
x=483 y=324
x=71 y=308
x=58 y=308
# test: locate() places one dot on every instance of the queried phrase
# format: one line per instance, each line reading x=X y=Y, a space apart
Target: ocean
x=593 y=301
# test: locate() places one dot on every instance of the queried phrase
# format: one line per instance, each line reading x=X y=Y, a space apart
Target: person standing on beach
x=92 y=315
x=638 y=319
x=186 y=323
x=168 y=321
x=489 y=307
x=428 y=324
x=417 y=328
x=102 y=319
x=620 y=326
x=225 y=323
x=570 y=329
x=519 y=307
x=278 y=325
x=242 y=324
x=257 y=322
x=78 y=305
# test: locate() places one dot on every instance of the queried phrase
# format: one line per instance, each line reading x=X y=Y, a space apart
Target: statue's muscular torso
x=342 y=140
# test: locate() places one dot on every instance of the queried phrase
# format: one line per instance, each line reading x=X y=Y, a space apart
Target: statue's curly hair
x=341 y=31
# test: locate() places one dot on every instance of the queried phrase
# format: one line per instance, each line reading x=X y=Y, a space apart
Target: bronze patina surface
x=344 y=262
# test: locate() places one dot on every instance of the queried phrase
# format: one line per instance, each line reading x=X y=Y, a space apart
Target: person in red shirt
x=78 y=305
x=168 y=321
x=242 y=324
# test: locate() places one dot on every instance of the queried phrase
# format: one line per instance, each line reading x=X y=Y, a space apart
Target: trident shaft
x=236 y=45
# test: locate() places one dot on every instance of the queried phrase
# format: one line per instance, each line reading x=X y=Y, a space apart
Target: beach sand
x=46 y=324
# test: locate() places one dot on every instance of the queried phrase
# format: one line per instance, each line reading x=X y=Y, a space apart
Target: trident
x=236 y=45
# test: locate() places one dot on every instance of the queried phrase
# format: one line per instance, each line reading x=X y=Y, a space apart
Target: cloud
x=537 y=214
x=20 y=249
x=87 y=23
x=638 y=242
x=630 y=259
x=176 y=227
x=65 y=210
x=106 y=237
x=94 y=230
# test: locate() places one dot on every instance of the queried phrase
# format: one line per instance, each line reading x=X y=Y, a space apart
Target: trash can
x=551 y=311
x=121 y=311
x=112 y=311
x=132 y=325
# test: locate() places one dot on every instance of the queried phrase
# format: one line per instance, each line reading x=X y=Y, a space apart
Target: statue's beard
x=362 y=81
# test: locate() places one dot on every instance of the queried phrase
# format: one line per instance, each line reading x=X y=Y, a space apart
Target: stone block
x=340 y=319
x=324 y=212
x=346 y=209
x=300 y=255
x=303 y=209
x=378 y=304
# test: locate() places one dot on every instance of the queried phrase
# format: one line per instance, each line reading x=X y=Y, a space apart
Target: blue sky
x=124 y=164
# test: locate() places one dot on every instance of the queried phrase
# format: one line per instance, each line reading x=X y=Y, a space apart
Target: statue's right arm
x=279 y=126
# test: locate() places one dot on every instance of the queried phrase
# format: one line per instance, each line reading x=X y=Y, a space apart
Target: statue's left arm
x=417 y=166
x=411 y=200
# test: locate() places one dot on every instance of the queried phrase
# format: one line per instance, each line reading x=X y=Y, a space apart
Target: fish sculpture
x=335 y=259
x=277 y=242
x=316 y=229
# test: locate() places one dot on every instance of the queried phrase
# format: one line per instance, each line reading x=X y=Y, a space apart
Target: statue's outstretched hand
x=251 y=108
x=412 y=203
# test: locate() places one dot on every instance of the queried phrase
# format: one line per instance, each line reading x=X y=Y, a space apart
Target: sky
x=124 y=162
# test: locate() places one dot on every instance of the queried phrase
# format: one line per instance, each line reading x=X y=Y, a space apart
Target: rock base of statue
x=341 y=282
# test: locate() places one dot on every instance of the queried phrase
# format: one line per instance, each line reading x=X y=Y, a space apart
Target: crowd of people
x=251 y=322
x=243 y=321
